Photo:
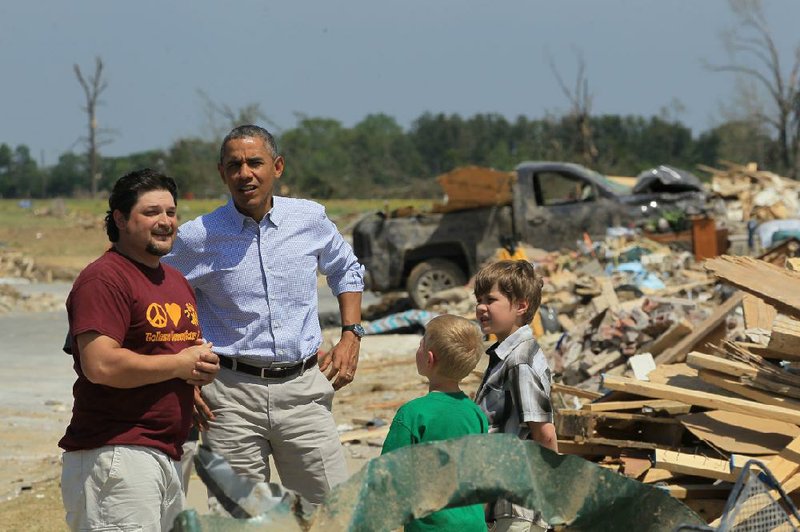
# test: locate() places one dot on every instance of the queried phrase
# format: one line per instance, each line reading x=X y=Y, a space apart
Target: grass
x=68 y=233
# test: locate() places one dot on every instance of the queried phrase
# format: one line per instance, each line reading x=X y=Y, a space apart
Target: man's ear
x=279 y=164
x=221 y=172
x=119 y=218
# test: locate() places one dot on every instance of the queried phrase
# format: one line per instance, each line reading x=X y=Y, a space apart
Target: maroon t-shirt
x=151 y=311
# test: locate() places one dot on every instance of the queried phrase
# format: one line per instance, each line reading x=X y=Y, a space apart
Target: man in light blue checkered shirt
x=253 y=264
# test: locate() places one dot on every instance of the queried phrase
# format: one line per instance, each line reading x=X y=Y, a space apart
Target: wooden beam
x=704 y=399
x=699 y=491
x=678 y=352
x=722 y=365
x=661 y=405
x=787 y=463
x=696 y=465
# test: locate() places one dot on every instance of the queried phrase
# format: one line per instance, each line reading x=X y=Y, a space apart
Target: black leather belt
x=268 y=373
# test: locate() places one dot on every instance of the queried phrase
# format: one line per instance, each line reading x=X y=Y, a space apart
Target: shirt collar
x=275 y=215
x=505 y=347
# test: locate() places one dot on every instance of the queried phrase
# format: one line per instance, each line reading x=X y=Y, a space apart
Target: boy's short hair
x=515 y=279
x=456 y=343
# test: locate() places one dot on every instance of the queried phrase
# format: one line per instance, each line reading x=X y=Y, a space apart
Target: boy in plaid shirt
x=515 y=392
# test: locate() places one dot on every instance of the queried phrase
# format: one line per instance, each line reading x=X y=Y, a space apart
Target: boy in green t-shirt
x=447 y=353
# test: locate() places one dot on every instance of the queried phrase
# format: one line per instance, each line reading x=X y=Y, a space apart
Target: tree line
x=378 y=158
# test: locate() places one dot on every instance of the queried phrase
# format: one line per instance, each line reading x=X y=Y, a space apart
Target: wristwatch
x=356 y=329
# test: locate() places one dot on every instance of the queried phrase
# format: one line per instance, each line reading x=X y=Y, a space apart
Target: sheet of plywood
x=740 y=433
x=704 y=399
x=722 y=365
x=775 y=285
x=684 y=376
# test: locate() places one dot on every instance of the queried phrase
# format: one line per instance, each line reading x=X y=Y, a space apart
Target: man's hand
x=340 y=362
x=202 y=363
x=202 y=414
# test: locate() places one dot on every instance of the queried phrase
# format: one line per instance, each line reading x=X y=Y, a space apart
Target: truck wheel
x=431 y=276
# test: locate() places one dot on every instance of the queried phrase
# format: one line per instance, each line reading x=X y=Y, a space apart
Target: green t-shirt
x=434 y=417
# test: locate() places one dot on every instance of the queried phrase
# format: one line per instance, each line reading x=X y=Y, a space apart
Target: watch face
x=356 y=328
x=359 y=330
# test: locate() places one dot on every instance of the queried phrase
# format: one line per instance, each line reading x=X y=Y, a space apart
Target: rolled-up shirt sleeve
x=338 y=262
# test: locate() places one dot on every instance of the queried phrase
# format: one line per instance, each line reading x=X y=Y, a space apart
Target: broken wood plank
x=699 y=491
x=722 y=365
x=765 y=352
x=657 y=405
x=586 y=449
x=655 y=474
x=696 y=465
x=785 y=337
x=678 y=352
x=757 y=313
x=775 y=285
x=787 y=462
x=707 y=400
x=732 y=384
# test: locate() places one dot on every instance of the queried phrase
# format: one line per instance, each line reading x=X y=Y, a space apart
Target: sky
x=346 y=59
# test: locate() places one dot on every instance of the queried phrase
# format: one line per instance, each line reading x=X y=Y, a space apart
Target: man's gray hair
x=249 y=131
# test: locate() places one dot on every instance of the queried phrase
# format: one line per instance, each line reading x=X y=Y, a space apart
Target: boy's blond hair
x=515 y=279
x=456 y=343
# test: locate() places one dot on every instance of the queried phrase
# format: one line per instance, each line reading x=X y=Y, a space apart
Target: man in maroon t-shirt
x=138 y=353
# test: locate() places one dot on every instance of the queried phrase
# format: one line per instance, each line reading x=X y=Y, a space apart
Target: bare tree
x=93 y=87
x=755 y=57
x=222 y=118
x=580 y=109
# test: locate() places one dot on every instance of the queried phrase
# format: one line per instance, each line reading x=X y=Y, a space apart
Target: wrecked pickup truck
x=548 y=205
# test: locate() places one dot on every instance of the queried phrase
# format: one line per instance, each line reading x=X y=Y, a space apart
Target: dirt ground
x=36 y=402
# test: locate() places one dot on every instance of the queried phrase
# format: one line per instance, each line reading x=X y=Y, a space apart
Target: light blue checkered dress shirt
x=256 y=283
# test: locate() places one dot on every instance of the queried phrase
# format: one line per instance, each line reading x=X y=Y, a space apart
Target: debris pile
x=753 y=194
x=691 y=426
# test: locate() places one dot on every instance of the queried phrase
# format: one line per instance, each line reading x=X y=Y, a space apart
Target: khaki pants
x=121 y=488
x=289 y=419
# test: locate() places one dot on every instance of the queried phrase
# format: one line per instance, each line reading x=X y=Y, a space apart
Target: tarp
x=417 y=480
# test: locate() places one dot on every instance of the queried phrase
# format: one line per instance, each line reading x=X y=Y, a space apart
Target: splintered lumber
x=586 y=449
x=757 y=313
x=688 y=343
x=696 y=465
x=704 y=399
x=775 y=285
x=785 y=337
x=655 y=474
x=763 y=351
x=722 y=365
x=732 y=384
x=657 y=405
x=557 y=387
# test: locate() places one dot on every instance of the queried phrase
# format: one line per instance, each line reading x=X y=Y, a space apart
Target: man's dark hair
x=249 y=131
x=126 y=193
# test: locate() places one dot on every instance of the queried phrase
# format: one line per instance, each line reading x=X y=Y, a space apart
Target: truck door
x=560 y=208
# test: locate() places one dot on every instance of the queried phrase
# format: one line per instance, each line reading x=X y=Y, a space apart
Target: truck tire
x=431 y=276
